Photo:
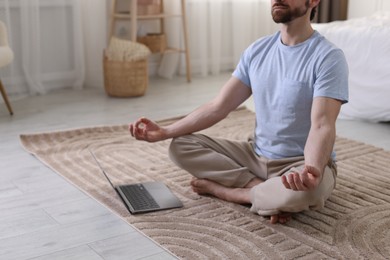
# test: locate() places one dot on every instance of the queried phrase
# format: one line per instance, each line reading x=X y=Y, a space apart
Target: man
x=299 y=81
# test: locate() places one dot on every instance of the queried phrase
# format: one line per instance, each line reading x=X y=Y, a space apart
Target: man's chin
x=280 y=19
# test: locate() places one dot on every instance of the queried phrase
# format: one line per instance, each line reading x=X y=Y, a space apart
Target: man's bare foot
x=207 y=187
x=281 y=218
x=252 y=183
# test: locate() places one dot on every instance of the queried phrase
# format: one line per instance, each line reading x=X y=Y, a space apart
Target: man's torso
x=284 y=80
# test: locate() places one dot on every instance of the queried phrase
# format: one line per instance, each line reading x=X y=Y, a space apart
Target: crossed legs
x=222 y=168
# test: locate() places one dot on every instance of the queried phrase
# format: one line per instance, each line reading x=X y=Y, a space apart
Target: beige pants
x=235 y=163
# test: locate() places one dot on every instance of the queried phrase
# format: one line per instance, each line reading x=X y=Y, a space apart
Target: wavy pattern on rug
x=354 y=224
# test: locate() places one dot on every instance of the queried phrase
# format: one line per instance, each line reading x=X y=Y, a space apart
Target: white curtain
x=94 y=25
x=219 y=31
x=6 y=73
x=46 y=37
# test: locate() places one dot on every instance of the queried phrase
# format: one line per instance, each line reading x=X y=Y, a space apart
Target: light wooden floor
x=42 y=216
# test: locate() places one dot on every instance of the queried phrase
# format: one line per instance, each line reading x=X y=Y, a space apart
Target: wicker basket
x=125 y=78
x=156 y=42
x=149 y=7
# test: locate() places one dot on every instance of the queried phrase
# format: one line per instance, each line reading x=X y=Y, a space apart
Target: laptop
x=144 y=197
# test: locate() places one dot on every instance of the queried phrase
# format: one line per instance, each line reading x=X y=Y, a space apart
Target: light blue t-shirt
x=284 y=81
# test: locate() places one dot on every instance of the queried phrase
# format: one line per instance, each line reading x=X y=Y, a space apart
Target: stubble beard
x=287 y=15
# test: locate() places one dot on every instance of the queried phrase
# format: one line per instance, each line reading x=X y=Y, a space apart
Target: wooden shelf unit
x=134 y=17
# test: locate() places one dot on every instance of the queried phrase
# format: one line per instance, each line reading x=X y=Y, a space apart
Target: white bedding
x=366 y=44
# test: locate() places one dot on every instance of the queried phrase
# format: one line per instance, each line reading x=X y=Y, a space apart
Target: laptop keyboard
x=139 y=197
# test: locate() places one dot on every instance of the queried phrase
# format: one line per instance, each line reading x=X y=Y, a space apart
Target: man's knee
x=268 y=200
x=174 y=150
x=179 y=150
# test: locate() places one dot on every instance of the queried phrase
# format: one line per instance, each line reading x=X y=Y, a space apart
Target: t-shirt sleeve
x=332 y=77
x=242 y=70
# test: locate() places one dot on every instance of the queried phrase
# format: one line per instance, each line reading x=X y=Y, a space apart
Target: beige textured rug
x=353 y=225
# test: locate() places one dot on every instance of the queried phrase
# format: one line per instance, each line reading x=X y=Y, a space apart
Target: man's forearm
x=319 y=146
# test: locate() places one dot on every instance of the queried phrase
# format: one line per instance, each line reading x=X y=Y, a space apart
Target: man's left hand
x=308 y=179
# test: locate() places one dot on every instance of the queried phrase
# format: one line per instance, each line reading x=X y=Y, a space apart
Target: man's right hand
x=147 y=130
x=308 y=179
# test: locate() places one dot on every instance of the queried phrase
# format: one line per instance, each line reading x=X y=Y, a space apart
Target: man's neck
x=296 y=31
